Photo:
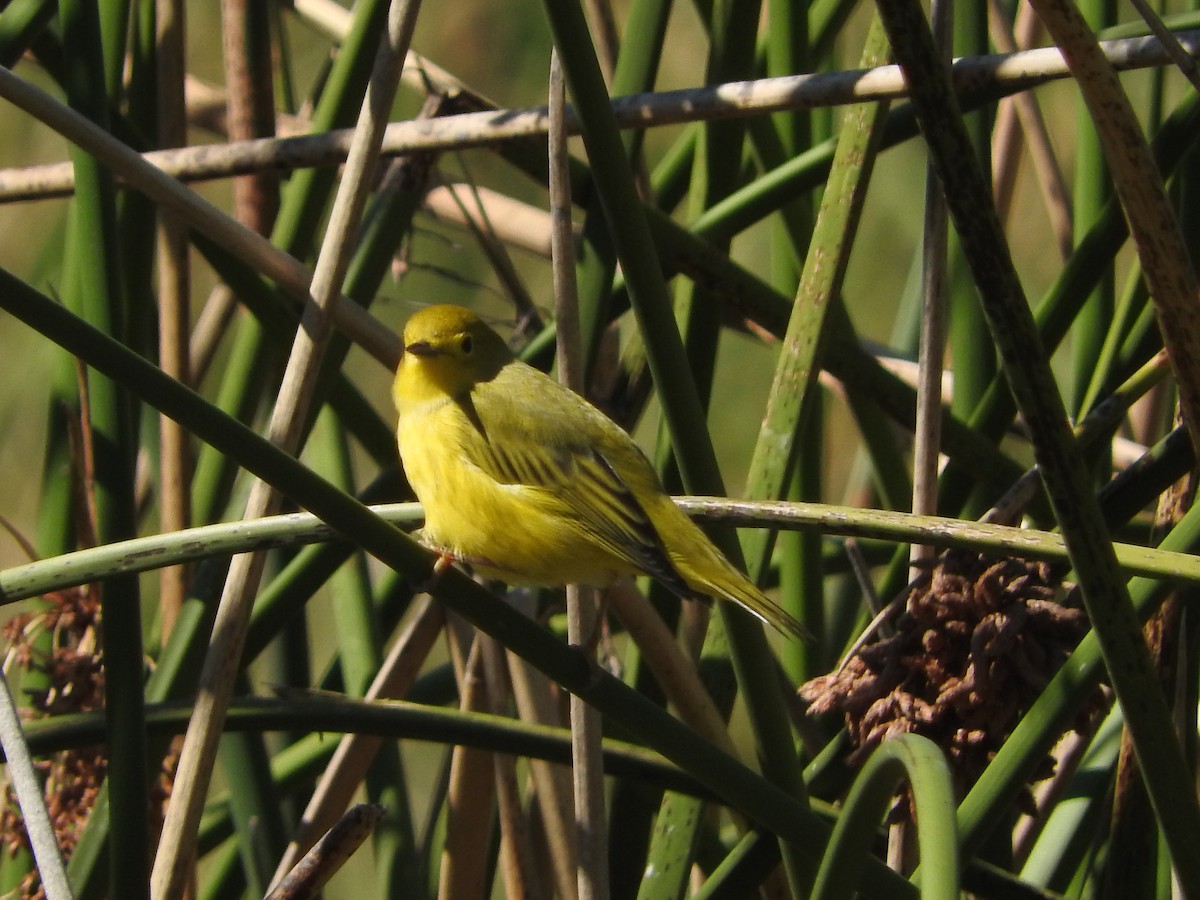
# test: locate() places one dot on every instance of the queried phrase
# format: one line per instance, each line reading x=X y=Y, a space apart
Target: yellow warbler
x=527 y=482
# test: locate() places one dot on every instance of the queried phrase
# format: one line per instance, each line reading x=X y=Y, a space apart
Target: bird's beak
x=421 y=348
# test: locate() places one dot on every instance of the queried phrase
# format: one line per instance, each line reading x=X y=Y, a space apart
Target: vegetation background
x=807 y=218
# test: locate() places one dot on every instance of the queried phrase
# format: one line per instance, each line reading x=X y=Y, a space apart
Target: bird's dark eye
x=467 y=344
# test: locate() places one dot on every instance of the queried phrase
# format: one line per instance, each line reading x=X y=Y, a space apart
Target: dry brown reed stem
x=515 y=223
x=927 y=436
x=349 y=764
x=250 y=105
x=604 y=28
x=517 y=867
x=329 y=854
x=174 y=306
x=536 y=701
x=246 y=110
x=209 y=329
x=471 y=795
x=672 y=668
x=927 y=431
x=1068 y=755
x=1020 y=117
x=208 y=109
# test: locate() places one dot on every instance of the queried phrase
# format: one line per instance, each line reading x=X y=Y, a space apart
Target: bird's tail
x=706 y=571
x=747 y=596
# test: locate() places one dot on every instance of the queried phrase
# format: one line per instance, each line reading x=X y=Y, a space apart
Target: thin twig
x=1103 y=419
x=862 y=574
x=1069 y=756
x=208 y=108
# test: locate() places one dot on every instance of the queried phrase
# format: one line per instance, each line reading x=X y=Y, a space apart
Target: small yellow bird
x=527 y=482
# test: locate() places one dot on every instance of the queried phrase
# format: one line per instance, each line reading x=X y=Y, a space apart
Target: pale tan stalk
x=174 y=307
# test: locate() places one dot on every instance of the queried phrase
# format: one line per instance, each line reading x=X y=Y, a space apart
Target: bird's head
x=447 y=351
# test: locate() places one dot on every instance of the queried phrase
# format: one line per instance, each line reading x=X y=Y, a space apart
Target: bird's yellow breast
x=518 y=533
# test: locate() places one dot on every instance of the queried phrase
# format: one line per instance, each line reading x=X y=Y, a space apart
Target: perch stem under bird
x=527 y=482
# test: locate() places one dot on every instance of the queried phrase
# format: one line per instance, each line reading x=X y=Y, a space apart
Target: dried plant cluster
x=976 y=644
x=59 y=646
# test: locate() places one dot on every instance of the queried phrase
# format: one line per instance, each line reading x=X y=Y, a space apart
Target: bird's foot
x=443 y=562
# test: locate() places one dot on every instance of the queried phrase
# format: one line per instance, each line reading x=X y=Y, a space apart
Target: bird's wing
x=572 y=473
